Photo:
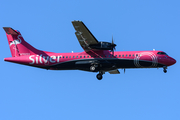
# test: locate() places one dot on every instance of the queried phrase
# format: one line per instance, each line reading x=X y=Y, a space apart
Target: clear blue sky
x=28 y=93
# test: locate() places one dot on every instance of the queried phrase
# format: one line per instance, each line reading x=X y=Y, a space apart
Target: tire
x=165 y=71
x=99 y=76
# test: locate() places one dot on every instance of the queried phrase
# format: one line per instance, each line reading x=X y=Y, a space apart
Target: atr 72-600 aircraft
x=96 y=57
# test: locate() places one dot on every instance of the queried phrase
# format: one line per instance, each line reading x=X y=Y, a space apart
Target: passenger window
x=80 y=56
x=129 y=55
x=88 y=56
x=122 y=55
x=133 y=55
x=84 y=56
x=136 y=55
x=66 y=56
x=76 y=56
x=119 y=55
x=126 y=55
x=58 y=57
x=73 y=56
x=63 y=56
x=69 y=56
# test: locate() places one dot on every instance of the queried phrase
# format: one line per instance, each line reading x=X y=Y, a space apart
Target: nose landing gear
x=165 y=69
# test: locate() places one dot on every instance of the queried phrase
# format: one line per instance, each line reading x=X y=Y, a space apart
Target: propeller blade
x=113 y=46
x=112 y=41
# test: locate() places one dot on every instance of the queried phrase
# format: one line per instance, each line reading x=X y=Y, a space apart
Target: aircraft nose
x=167 y=60
x=173 y=61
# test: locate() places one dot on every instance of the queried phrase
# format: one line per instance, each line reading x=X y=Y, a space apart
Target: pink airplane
x=96 y=57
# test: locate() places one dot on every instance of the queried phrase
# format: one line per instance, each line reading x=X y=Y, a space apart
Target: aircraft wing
x=84 y=36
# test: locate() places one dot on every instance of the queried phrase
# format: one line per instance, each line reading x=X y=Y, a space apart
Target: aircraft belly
x=125 y=63
x=70 y=65
x=104 y=64
x=131 y=63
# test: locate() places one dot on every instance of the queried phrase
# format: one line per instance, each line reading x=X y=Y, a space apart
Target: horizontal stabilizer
x=11 y=31
x=114 y=72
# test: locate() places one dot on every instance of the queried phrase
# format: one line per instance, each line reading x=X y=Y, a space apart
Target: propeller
x=113 y=46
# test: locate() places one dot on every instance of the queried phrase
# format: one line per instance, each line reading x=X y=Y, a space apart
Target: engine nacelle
x=103 y=46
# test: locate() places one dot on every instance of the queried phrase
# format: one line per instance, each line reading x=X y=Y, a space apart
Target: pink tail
x=18 y=46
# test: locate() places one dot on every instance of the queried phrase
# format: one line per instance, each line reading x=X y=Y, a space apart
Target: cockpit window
x=161 y=53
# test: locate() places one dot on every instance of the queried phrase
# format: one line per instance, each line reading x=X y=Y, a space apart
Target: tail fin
x=18 y=46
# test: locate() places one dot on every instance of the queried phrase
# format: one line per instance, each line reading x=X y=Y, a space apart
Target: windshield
x=161 y=53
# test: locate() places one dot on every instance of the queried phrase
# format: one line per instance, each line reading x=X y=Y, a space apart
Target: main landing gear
x=99 y=75
x=93 y=68
x=165 y=69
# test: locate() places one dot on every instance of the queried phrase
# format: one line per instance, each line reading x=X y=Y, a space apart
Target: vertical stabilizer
x=18 y=46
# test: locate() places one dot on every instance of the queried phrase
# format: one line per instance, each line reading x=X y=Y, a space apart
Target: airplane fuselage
x=83 y=60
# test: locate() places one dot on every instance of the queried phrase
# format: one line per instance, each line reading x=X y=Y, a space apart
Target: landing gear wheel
x=165 y=71
x=92 y=68
x=99 y=76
